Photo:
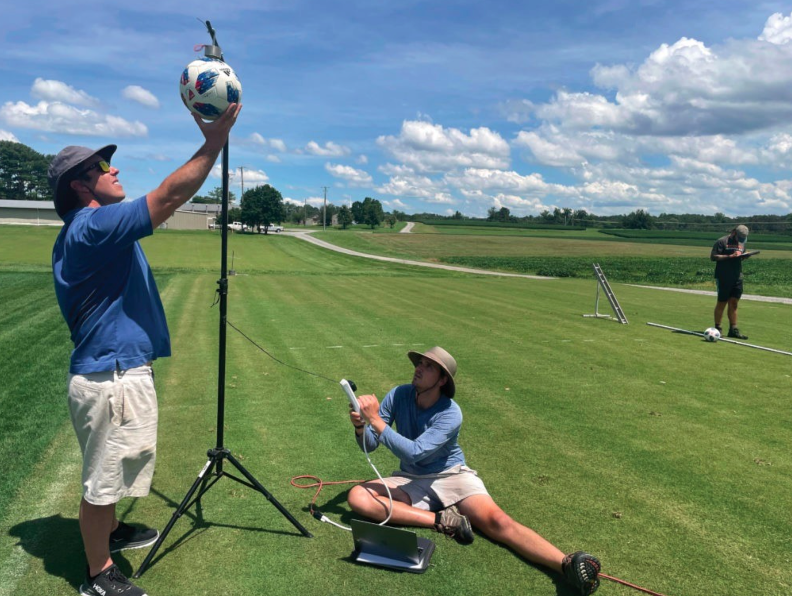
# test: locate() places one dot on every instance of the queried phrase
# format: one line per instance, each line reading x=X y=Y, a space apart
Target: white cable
x=327 y=520
x=387 y=489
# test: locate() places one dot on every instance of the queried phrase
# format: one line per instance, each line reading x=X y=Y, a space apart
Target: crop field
x=685 y=264
x=666 y=456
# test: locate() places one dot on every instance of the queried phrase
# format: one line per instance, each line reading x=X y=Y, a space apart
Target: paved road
x=309 y=238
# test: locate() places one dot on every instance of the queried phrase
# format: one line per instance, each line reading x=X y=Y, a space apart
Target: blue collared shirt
x=105 y=288
x=427 y=440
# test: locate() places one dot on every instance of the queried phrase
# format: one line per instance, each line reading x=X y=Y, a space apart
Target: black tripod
x=213 y=470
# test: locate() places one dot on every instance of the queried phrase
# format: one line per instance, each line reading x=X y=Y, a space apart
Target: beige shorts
x=115 y=417
x=434 y=492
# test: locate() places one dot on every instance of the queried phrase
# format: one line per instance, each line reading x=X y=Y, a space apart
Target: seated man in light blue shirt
x=434 y=488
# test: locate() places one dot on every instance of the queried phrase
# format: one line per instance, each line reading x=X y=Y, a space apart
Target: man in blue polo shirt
x=109 y=299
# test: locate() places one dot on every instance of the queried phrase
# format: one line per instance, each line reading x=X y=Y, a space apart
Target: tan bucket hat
x=444 y=360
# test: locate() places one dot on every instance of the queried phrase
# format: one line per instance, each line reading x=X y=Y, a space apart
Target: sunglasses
x=102 y=165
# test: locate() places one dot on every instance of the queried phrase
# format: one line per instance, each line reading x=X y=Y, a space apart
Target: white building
x=42 y=213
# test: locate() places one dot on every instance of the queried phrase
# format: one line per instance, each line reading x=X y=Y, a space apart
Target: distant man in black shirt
x=727 y=253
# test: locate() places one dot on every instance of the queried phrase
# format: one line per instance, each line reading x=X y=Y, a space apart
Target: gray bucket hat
x=63 y=167
x=444 y=360
x=742 y=232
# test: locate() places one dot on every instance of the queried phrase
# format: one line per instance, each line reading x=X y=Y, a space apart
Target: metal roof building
x=42 y=213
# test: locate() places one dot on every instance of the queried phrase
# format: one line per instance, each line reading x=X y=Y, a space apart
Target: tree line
x=23 y=176
x=263 y=206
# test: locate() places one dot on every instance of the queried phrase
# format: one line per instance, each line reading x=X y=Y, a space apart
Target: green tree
x=372 y=212
x=345 y=216
x=357 y=212
x=638 y=220
x=23 y=173
x=215 y=196
x=262 y=206
x=390 y=219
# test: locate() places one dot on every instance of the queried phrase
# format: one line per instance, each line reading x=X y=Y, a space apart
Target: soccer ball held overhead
x=208 y=86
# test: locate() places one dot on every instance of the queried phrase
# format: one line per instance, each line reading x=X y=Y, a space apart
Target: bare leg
x=732 y=313
x=96 y=523
x=371 y=500
x=719 y=308
x=485 y=515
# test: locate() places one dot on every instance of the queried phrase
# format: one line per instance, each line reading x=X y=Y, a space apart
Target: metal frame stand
x=213 y=469
x=617 y=309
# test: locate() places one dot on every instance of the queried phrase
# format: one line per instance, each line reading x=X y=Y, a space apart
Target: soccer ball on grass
x=208 y=86
x=711 y=334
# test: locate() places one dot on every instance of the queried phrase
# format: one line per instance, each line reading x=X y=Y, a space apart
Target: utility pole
x=242 y=180
x=305 y=212
x=324 y=215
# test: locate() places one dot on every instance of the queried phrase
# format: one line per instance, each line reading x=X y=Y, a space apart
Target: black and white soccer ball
x=711 y=334
x=208 y=86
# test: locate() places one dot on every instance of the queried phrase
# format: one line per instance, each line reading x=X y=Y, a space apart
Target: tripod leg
x=198 y=506
x=269 y=497
x=204 y=473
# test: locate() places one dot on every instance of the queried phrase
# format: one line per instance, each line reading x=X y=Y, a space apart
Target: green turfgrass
x=665 y=456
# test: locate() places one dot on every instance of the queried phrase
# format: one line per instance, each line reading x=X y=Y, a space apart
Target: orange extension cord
x=319 y=484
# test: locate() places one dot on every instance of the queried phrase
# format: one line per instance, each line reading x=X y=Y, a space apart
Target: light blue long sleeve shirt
x=425 y=441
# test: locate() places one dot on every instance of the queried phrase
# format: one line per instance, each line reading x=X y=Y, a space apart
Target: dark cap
x=62 y=169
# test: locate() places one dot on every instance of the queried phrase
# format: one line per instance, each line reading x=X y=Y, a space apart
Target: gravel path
x=753 y=297
x=408 y=228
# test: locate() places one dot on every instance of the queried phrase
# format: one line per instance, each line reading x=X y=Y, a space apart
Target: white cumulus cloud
x=428 y=147
x=277 y=144
x=61 y=118
x=7 y=136
x=140 y=95
x=58 y=91
x=349 y=174
x=330 y=149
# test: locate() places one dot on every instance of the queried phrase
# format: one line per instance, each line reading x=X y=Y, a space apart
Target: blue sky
x=436 y=106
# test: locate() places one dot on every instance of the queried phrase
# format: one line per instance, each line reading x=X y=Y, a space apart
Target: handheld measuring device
x=349 y=388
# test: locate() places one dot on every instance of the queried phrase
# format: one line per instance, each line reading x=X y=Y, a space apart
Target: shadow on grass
x=198 y=525
x=561 y=585
x=56 y=541
x=337 y=507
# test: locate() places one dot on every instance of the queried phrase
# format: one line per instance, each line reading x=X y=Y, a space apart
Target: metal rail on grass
x=729 y=341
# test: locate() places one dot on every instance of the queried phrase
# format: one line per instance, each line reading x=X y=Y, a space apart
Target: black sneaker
x=453 y=524
x=111 y=581
x=581 y=570
x=735 y=333
x=126 y=536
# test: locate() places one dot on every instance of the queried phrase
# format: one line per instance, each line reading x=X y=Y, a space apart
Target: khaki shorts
x=115 y=417
x=433 y=492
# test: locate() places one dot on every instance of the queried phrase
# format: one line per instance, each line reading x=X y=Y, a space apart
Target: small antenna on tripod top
x=214 y=50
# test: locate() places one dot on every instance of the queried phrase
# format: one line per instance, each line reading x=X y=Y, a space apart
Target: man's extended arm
x=181 y=185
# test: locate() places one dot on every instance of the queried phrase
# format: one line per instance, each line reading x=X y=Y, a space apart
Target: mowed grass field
x=666 y=456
